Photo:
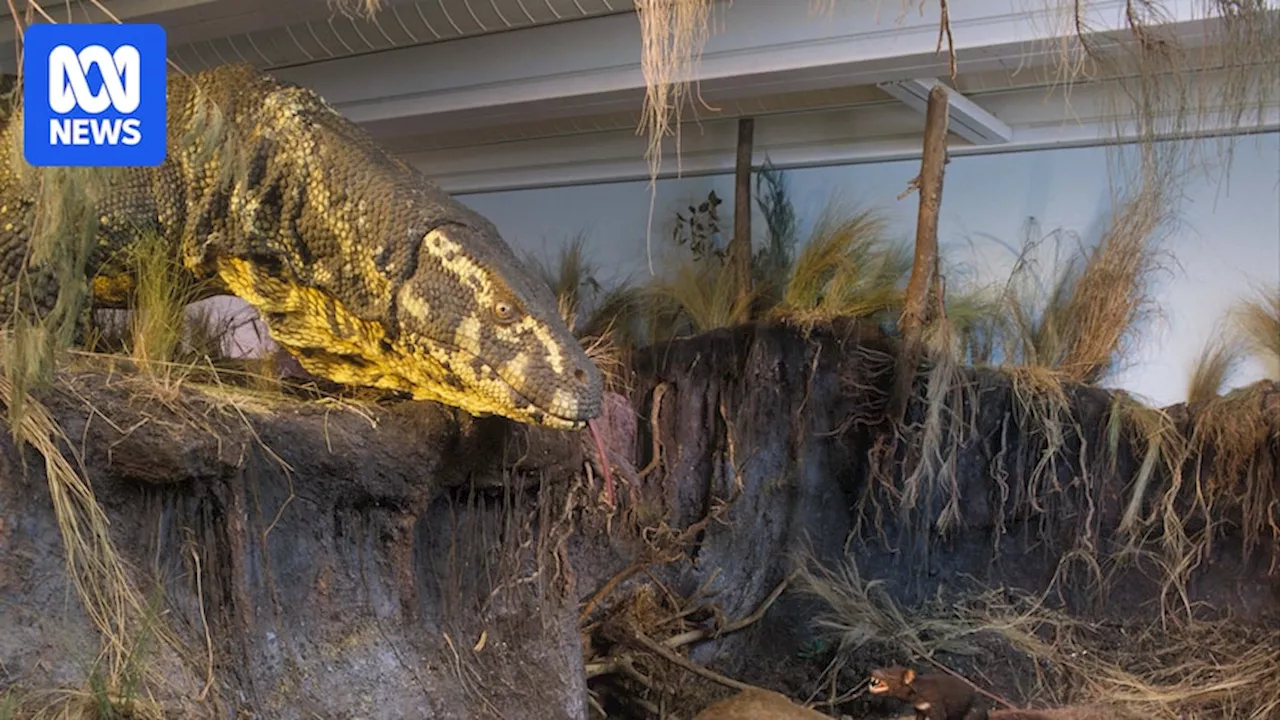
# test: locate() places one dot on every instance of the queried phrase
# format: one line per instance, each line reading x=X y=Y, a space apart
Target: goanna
x=359 y=265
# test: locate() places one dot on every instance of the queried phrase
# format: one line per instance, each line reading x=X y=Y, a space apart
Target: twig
x=608 y=587
x=912 y=186
x=944 y=29
x=654 y=435
x=667 y=654
x=692 y=636
x=204 y=622
x=957 y=675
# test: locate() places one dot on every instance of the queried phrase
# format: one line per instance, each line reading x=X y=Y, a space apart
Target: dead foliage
x=1234 y=469
x=1194 y=669
x=848 y=268
x=1218 y=360
x=1257 y=322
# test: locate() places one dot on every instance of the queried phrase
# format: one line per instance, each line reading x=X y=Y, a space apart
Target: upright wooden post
x=740 y=244
x=918 y=305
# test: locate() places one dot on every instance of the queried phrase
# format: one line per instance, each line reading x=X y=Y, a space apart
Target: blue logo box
x=94 y=95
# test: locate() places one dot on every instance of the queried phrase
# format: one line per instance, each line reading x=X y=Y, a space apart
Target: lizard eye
x=504 y=311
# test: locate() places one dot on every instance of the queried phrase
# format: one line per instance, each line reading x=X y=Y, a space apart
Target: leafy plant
x=699 y=228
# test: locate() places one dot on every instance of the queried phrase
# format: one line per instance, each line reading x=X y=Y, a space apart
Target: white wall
x=1229 y=235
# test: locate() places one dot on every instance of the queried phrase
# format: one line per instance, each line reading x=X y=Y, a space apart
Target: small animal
x=934 y=697
x=758 y=704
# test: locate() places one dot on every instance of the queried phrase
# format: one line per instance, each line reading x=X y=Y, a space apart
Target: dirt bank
x=322 y=560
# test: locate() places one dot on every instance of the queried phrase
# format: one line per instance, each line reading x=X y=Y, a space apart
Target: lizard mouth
x=537 y=413
x=523 y=408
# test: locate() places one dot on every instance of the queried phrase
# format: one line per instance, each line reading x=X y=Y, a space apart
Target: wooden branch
x=608 y=587
x=924 y=268
x=932 y=164
x=693 y=636
x=740 y=245
x=670 y=656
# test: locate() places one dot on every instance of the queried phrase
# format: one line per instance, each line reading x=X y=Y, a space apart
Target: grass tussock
x=1084 y=316
x=849 y=267
x=696 y=297
x=1195 y=670
x=1217 y=361
x=158 y=321
x=1108 y=299
x=1235 y=471
x=1257 y=320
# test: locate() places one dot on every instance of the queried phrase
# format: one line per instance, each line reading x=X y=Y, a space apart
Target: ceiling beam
x=759 y=44
x=967 y=119
x=1094 y=113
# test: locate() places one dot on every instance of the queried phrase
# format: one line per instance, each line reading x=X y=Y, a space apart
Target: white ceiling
x=494 y=94
x=274 y=34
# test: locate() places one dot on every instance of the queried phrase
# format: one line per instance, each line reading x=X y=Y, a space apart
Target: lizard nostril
x=580 y=375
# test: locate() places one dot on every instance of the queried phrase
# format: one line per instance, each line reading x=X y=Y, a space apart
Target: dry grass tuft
x=1088 y=314
x=1257 y=320
x=1110 y=296
x=847 y=268
x=695 y=296
x=1194 y=670
x=100 y=576
x=861 y=612
x=1218 y=360
x=1235 y=441
x=160 y=331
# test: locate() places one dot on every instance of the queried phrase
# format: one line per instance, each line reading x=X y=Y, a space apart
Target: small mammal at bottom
x=758 y=704
x=934 y=697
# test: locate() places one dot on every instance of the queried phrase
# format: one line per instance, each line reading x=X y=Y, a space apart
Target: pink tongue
x=604 y=463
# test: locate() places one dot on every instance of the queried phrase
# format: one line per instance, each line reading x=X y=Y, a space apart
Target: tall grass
x=1196 y=670
x=1218 y=359
x=1257 y=320
x=849 y=267
x=1069 y=308
x=695 y=296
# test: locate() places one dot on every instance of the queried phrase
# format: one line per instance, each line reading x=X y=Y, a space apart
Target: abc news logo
x=69 y=89
x=94 y=95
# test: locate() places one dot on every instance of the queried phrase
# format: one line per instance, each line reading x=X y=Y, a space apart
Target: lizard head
x=487 y=336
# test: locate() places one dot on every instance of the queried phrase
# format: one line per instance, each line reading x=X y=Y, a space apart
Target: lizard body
x=359 y=265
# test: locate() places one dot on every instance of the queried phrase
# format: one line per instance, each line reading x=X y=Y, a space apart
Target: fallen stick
x=670 y=656
x=693 y=636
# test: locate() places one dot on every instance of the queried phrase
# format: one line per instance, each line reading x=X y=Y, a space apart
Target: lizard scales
x=359 y=265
